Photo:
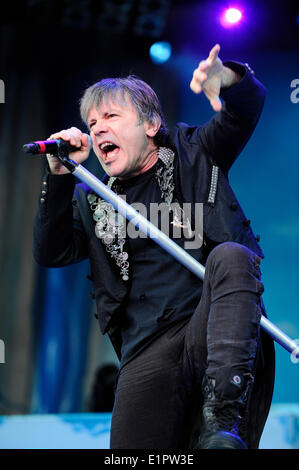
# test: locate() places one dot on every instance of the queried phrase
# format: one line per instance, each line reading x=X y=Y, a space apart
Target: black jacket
x=64 y=228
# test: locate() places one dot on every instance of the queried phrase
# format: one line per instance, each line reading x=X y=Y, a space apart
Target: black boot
x=224 y=410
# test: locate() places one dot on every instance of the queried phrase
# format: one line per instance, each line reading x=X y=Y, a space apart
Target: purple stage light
x=230 y=17
x=233 y=15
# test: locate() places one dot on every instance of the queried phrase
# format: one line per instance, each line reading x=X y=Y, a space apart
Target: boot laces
x=224 y=417
x=228 y=415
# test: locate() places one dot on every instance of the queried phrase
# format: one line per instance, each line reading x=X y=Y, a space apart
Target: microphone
x=40 y=147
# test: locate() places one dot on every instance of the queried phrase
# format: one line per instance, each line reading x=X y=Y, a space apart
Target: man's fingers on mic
x=72 y=138
x=60 y=135
x=75 y=142
x=76 y=136
x=66 y=135
x=54 y=136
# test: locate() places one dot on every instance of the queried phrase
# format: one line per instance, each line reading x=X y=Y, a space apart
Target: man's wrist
x=55 y=166
x=229 y=77
x=61 y=171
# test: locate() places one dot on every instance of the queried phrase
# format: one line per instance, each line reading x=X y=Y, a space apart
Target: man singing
x=195 y=371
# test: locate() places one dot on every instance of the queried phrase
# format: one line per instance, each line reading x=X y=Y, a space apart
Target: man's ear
x=153 y=126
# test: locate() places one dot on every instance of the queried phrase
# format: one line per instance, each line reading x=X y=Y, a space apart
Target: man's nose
x=100 y=127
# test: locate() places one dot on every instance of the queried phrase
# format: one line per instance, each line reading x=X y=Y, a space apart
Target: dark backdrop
x=50 y=52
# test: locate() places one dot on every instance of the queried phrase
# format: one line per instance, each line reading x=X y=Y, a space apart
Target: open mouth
x=109 y=150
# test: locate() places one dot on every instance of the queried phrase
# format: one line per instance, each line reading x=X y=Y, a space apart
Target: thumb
x=216 y=103
x=85 y=140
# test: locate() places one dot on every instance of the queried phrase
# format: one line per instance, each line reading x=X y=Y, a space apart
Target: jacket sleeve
x=59 y=238
x=227 y=133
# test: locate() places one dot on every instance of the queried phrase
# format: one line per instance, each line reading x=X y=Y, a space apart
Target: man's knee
x=233 y=254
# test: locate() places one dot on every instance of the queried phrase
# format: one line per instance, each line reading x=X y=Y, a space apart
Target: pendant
x=110 y=228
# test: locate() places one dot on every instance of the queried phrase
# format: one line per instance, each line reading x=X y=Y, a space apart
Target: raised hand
x=207 y=77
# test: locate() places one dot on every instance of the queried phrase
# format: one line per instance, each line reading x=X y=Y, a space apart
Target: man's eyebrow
x=102 y=115
x=105 y=114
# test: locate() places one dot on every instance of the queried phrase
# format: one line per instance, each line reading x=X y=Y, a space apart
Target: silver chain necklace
x=110 y=226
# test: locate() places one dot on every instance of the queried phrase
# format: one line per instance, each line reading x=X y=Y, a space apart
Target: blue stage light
x=160 y=52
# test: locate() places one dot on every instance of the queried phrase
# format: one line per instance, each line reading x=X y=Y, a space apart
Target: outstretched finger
x=214 y=53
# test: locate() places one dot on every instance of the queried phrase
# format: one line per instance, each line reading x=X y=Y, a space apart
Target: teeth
x=105 y=144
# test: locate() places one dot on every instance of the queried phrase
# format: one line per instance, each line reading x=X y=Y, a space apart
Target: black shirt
x=163 y=291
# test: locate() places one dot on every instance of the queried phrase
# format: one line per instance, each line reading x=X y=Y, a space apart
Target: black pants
x=158 y=393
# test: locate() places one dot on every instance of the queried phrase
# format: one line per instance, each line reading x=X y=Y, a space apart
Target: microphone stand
x=163 y=240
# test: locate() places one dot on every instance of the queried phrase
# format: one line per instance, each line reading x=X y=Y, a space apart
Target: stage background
x=48 y=56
